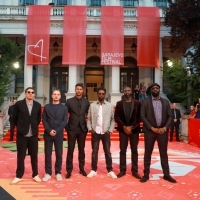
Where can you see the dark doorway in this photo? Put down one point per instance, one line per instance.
(59, 77)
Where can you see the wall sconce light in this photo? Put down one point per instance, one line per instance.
(133, 46)
(55, 45)
(16, 42)
(94, 46)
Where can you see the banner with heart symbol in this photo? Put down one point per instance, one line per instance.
(38, 33)
(74, 35)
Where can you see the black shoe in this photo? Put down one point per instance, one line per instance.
(121, 174)
(178, 140)
(136, 175)
(82, 172)
(68, 175)
(170, 179)
(11, 140)
(144, 179)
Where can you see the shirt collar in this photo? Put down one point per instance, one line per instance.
(153, 98)
(31, 103)
(104, 102)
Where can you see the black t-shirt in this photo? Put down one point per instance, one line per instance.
(55, 109)
(128, 112)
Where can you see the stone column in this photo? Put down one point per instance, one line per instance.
(72, 80)
(158, 70)
(28, 71)
(115, 94)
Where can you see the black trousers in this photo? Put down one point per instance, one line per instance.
(57, 141)
(176, 126)
(24, 143)
(12, 127)
(134, 139)
(80, 136)
(105, 138)
(162, 141)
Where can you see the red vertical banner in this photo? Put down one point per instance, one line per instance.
(74, 36)
(148, 36)
(38, 30)
(112, 35)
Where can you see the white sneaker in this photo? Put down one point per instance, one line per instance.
(59, 177)
(112, 174)
(15, 181)
(91, 174)
(37, 179)
(46, 177)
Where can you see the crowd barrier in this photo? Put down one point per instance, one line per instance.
(194, 132)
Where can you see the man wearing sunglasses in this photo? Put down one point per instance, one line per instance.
(27, 117)
(101, 124)
(156, 116)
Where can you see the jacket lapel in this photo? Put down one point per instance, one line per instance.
(132, 107)
(151, 109)
(124, 108)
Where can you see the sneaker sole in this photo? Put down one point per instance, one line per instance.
(14, 183)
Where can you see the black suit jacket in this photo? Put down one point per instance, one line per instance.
(77, 116)
(23, 120)
(178, 115)
(120, 115)
(148, 117)
(54, 122)
(10, 112)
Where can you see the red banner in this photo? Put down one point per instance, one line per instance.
(74, 36)
(194, 132)
(148, 36)
(38, 29)
(112, 35)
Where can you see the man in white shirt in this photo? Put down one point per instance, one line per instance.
(101, 124)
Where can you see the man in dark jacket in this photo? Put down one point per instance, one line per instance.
(54, 119)
(77, 129)
(156, 117)
(127, 117)
(27, 117)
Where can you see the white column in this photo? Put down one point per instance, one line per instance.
(115, 79)
(158, 70)
(28, 71)
(115, 94)
(39, 81)
(72, 80)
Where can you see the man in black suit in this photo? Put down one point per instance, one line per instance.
(175, 122)
(54, 119)
(27, 117)
(10, 113)
(77, 128)
(156, 117)
(127, 117)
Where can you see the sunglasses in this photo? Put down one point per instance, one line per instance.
(29, 92)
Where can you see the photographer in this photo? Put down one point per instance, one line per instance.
(197, 109)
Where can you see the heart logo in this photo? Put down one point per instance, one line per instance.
(39, 48)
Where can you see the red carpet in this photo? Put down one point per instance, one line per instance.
(184, 167)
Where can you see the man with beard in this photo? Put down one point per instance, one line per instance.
(127, 117)
(77, 129)
(54, 119)
(156, 116)
(101, 124)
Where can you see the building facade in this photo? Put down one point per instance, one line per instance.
(55, 75)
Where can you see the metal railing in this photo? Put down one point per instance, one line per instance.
(59, 11)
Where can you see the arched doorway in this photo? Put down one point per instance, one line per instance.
(59, 77)
(129, 75)
(94, 77)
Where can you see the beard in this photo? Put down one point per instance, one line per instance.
(127, 96)
(155, 94)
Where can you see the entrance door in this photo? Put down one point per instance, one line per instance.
(94, 78)
(59, 80)
(128, 77)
